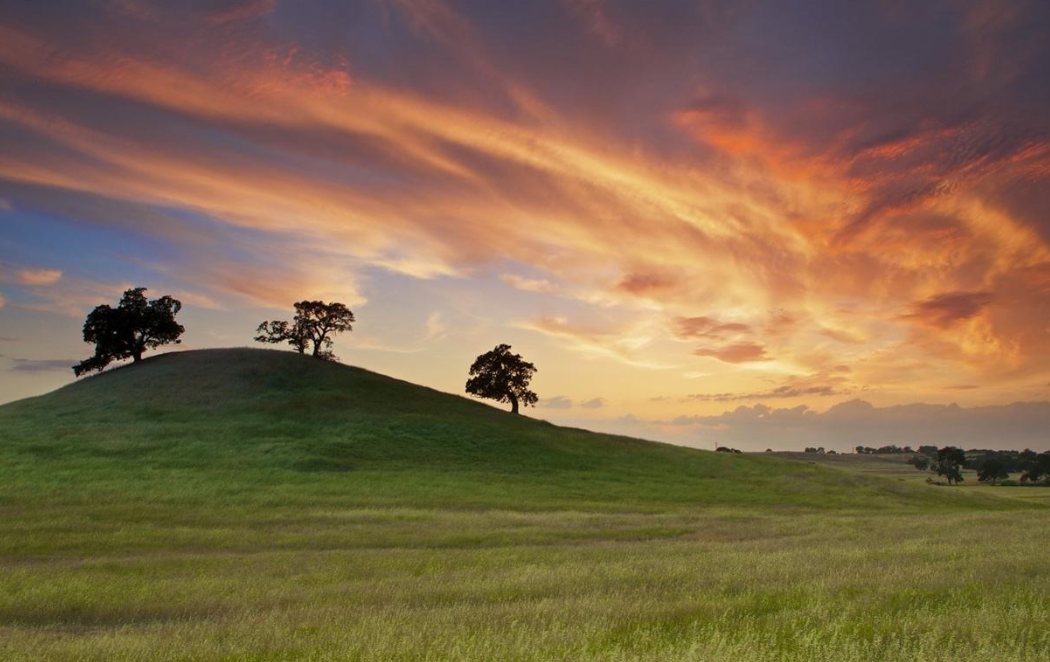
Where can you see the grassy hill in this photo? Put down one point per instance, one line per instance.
(244, 426)
(258, 506)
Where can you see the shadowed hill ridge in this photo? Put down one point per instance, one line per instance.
(241, 426)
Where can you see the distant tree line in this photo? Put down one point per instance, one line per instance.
(884, 450)
(992, 467)
(996, 466)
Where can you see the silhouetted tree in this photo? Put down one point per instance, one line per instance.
(313, 326)
(503, 377)
(950, 461)
(128, 330)
(281, 331)
(992, 471)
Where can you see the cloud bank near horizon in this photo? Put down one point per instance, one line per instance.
(853, 423)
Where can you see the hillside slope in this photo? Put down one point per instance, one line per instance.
(245, 426)
(257, 505)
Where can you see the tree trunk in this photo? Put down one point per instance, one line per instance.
(318, 343)
(138, 346)
(513, 404)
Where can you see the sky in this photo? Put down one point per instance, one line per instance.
(759, 223)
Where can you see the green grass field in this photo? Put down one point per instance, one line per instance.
(257, 505)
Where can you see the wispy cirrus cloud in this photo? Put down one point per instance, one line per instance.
(706, 327)
(557, 402)
(530, 284)
(624, 343)
(38, 276)
(770, 394)
(594, 15)
(39, 365)
(563, 402)
(669, 177)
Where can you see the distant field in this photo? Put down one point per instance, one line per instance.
(250, 505)
(883, 465)
(896, 467)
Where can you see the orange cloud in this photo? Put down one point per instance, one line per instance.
(706, 327)
(38, 276)
(945, 310)
(529, 284)
(647, 284)
(742, 352)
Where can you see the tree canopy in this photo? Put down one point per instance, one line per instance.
(127, 331)
(920, 462)
(313, 326)
(502, 376)
(1037, 468)
(992, 471)
(949, 463)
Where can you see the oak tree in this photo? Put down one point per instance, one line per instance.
(127, 331)
(502, 376)
(949, 463)
(1037, 468)
(992, 471)
(312, 328)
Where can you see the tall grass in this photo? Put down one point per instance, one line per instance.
(402, 584)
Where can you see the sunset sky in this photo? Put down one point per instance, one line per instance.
(761, 223)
